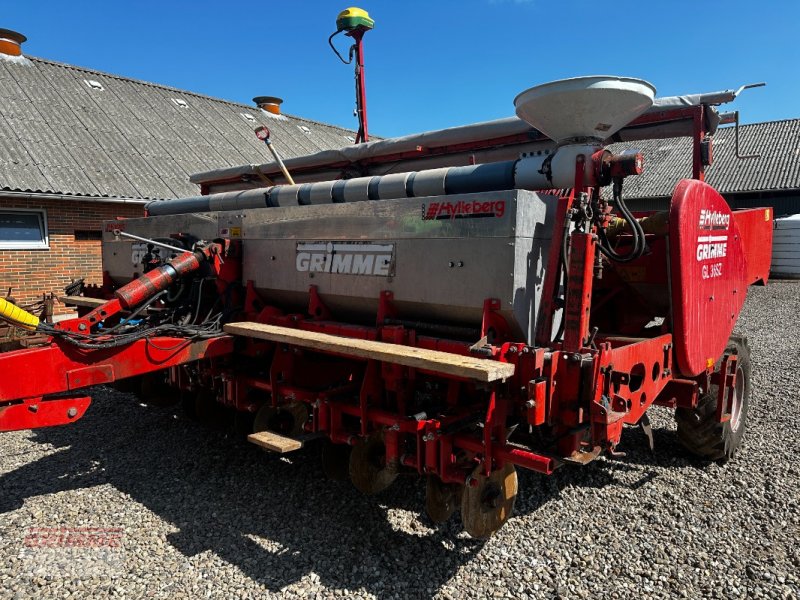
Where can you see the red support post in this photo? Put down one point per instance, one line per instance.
(698, 119)
(579, 291)
(361, 87)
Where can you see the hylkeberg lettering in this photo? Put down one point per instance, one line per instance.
(463, 210)
(712, 219)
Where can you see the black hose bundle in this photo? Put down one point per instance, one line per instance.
(99, 341)
(639, 243)
(129, 330)
(604, 245)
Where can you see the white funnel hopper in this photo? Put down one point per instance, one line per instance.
(584, 107)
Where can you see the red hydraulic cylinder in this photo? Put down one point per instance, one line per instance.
(159, 279)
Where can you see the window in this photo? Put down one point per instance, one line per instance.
(180, 103)
(23, 229)
(248, 117)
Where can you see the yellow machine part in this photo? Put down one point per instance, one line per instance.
(16, 316)
(353, 17)
(657, 224)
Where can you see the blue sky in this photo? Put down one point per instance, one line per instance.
(430, 64)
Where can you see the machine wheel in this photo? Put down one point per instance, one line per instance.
(698, 429)
(488, 505)
(287, 419)
(336, 461)
(369, 471)
(441, 499)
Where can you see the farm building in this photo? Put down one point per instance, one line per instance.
(767, 174)
(78, 147)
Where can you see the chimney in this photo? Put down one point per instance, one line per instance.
(270, 104)
(11, 42)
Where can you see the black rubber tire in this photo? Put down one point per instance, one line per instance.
(698, 429)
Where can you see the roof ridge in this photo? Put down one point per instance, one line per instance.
(788, 120)
(179, 90)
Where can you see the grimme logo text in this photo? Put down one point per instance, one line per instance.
(349, 258)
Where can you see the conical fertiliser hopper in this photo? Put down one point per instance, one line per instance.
(584, 107)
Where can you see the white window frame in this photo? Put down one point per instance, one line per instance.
(43, 244)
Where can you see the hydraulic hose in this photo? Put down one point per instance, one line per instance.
(639, 242)
(16, 316)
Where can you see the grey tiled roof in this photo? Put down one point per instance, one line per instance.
(130, 139)
(668, 161)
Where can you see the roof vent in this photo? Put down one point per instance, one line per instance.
(11, 42)
(270, 104)
(180, 103)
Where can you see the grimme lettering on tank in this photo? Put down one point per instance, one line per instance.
(348, 258)
(712, 247)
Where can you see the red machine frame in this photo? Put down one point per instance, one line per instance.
(581, 390)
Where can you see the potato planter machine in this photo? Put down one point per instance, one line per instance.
(454, 322)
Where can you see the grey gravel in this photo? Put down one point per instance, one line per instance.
(205, 515)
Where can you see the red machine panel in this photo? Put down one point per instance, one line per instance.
(709, 274)
(755, 225)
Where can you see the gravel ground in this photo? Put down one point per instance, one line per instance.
(201, 514)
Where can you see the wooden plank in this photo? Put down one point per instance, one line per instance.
(91, 303)
(478, 369)
(274, 441)
(82, 301)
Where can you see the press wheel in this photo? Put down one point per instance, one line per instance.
(287, 419)
(336, 461)
(485, 507)
(441, 499)
(369, 471)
